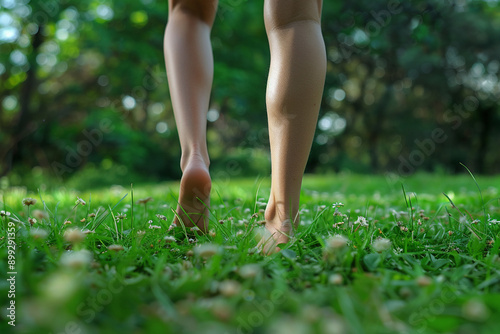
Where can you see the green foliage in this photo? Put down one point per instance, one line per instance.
(397, 72)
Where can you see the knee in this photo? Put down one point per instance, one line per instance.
(203, 10)
(282, 13)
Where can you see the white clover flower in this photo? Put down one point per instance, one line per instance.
(492, 221)
(4, 213)
(229, 288)
(59, 287)
(169, 238)
(361, 221)
(40, 215)
(380, 245)
(38, 233)
(475, 310)
(206, 250)
(76, 259)
(115, 248)
(29, 201)
(337, 242)
(74, 235)
(423, 281)
(335, 279)
(250, 270)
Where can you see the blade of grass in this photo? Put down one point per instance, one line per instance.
(132, 207)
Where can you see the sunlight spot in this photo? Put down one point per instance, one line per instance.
(325, 123)
(62, 34)
(9, 4)
(493, 66)
(23, 41)
(156, 109)
(161, 127)
(18, 58)
(10, 102)
(2, 69)
(22, 11)
(477, 70)
(32, 28)
(360, 37)
(104, 12)
(129, 102)
(322, 139)
(8, 34)
(332, 123)
(212, 115)
(339, 94)
(5, 19)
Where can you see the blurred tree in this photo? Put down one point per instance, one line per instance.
(410, 85)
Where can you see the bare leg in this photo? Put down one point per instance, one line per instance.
(294, 91)
(189, 62)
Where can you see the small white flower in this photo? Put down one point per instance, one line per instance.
(40, 215)
(74, 235)
(475, 310)
(361, 221)
(229, 288)
(206, 250)
(380, 245)
(493, 221)
(76, 260)
(423, 281)
(154, 226)
(250, 271)
(169, 238)
(4, 213)
(335, 279)
(337, 242)
(115, 248)
(38, 233)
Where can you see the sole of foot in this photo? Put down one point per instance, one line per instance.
(194, 197)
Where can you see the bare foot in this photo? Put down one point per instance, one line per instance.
(194, 196)
(278, 230)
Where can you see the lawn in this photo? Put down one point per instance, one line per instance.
(372, 255)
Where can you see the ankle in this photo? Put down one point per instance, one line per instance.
(279, 213)
(194, 159)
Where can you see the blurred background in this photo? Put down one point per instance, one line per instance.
(412, 86)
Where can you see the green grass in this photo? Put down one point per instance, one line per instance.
(439, 272)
